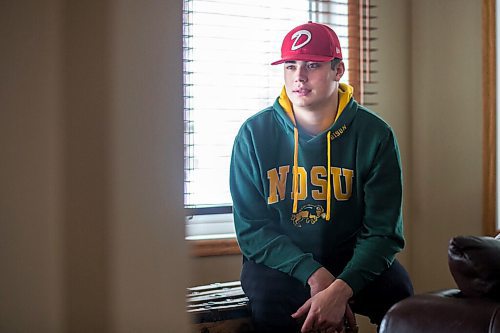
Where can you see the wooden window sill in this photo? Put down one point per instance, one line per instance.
(213, 247)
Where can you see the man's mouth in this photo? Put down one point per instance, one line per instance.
(302, 91)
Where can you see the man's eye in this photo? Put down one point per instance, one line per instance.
(313, 65)
(290, 67)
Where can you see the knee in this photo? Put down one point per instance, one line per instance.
(272, 309)
(272, 316)
(402, 286)
(406, 289)
(273, 296)
(378, 297)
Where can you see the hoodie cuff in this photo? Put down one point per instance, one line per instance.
(353, 279)
(304, 269)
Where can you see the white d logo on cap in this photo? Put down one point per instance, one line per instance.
(296, 37)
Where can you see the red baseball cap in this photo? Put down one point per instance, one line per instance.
(310, 42)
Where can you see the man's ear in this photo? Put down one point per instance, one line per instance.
(339, 71)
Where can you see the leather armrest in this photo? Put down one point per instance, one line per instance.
(474, 263)
(443, 312)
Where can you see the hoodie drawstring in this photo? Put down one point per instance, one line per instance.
(329, 187)
(295, 169)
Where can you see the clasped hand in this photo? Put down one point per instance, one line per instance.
(327, 307)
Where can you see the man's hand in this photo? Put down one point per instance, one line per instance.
(320, 280)
(326, 309)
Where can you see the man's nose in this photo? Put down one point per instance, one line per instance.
(301, 75)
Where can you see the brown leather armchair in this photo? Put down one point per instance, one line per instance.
(474, 263)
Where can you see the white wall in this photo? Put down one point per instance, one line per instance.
(446, 133)
(31, 292)
(91, 225)
(393, 83)
(430, 84)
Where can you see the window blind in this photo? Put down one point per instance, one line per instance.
(362, 53)
(228, 48)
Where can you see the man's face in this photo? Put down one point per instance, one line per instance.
(311, 85)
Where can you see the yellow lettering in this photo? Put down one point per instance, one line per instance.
(339, 132)
(316, 173)
(348, 174)
(302, 183)
(277, 184)
(342, 183)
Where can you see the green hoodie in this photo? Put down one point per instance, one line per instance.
(280, 184)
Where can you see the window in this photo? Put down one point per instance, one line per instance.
(228, 48)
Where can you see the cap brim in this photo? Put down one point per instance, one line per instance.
(303, 57)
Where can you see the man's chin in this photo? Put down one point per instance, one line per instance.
(300, 102)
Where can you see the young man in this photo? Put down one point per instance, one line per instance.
(317, 192)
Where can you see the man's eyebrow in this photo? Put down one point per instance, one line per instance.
(290, 62)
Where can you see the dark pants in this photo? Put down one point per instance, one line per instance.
(274, 296)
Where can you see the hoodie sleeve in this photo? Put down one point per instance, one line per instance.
(257, 225)
(382, 234)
